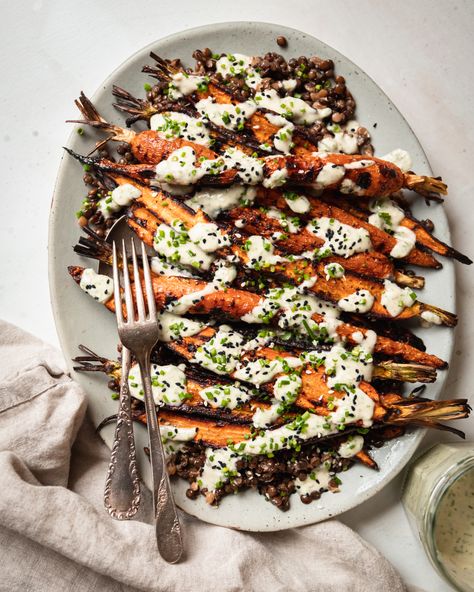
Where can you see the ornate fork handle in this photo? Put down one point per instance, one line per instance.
(168, 527)
(122, 485)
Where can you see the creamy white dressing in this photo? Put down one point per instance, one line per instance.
(174, 437)
(359, 301)
(289, 224)
(261, 370)
(283, 138)
(179, 125)
(249, 169)
(399, 157)
(183, 84)
(276, 179)
(173, 326)
(345, 367)
(288, 85)
(406, 240)
(396, 299)
(233, 64)
(226, 115)
(352, 446)
(430, 318)
(388, 216)
(295, 311)
(221, 353)
(238, 64)
(264, 417)
(120, 197)
(287, 388)
(339, 238)
(343, 139)
(291, 107)
(99, 287)
(359, 164)
(317, 480)
(348, 187)
(334, 271)
(220, 465)
(179, 168)
(297, 203)
(329, 175)
(224, 275)
(168, 384)
(174, 244)
(160, 267)
(208, 237)
(225, 396)
(215, 201)
(260, 252)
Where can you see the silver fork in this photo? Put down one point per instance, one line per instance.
(122, 484)
(139, 333)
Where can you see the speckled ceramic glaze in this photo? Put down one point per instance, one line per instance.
(80, 320)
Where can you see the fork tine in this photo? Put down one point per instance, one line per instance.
(138, 284)
(150, 295)
(117, 294)
(126, 287)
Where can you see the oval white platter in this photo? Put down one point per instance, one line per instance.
(80, 320)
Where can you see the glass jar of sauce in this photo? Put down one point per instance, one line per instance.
(438, 498)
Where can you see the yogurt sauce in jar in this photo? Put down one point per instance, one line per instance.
(454, 531)
(438, 498)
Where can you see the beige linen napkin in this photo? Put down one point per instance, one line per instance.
(56, 536)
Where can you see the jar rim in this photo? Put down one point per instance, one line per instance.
(455, 472)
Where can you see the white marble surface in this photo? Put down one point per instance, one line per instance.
(419, 52)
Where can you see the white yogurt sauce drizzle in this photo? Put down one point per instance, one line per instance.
(174, 437)
(225, 396)
(168, 384)
(260, 253)
(344, 139)
(161, 267)
(224, 275)
(297, 203)
(183, 84)
(334, 271)
(318, 480)
(329, 175)
(289, 224)
(283, 138)
(285, 392)
(179, 125)
(249, 169)
(396, 299)
(399, 157)
(233, 64)
(276, 179)
(215, 201)
(388, 216)
(340, 239)
(352, 446)
(359, 301)
(99, 287)
(173, 243)
(291, 108)
(208, 237)
(120, 197)
(226, 115)
(173, 326)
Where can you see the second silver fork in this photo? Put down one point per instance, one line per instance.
(139, 333)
